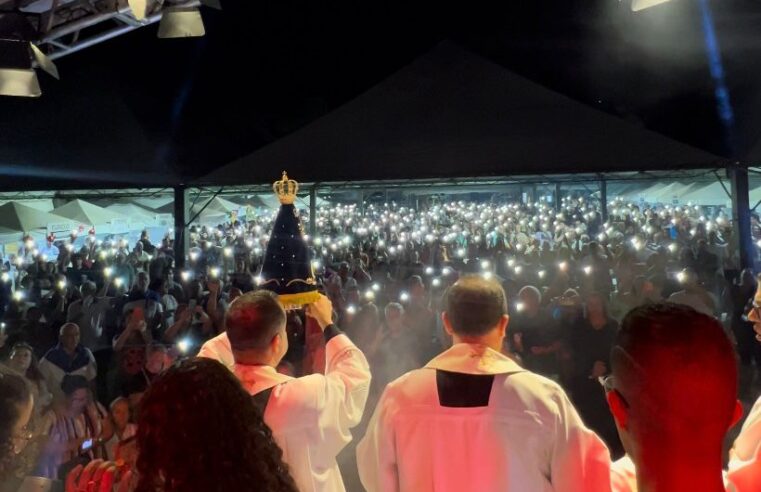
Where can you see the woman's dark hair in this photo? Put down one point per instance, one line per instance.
(14, 394)
(209, 410)
(33, 373)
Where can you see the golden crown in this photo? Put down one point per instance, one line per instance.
(286, 189)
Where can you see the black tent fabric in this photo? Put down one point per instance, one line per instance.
(451, 113)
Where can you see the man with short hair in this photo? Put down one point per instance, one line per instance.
(473, 420)
(311, 416)
(69, 357)
(89, 313)
(673, 395)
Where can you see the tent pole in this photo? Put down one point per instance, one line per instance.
(313, 211)
(556, 198)
(180, 228)
(741, 215)
(604, 199)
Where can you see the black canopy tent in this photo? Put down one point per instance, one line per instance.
(451, 113)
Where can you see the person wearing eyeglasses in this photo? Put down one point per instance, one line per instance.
(673, 395)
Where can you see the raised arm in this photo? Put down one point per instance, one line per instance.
(346, 384)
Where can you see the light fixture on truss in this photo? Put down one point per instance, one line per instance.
(638, 5)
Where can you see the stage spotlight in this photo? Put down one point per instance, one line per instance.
(638, 5)
(17, 61)
(17, 77)
(183, 19)
(139, 8)
(181, 22)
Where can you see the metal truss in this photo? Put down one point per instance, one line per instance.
(63, 27)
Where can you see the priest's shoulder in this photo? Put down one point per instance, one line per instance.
(416, 385)
(536, 391)
(306, 392)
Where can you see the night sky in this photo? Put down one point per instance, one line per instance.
(143, 110)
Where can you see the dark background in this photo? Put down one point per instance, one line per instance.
(142, 110)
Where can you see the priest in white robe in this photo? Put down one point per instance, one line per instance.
(311, 416)
(473, 420)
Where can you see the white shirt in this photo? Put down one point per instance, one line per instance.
(310, 417)
(218, 348)
(745, 458)
(528, 438)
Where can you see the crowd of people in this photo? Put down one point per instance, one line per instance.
(95, 332)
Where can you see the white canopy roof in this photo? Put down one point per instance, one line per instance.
(134, 212)
(708, 194)
(87, 213)
(15, 217)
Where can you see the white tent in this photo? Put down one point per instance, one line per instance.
(42, 204)
(672, 193)
(623, 190)
(88, 214)
(153, 202)
(138, 217)
(20, 218)
(217, 209)
(755, 196)
(134, 212)
(707, 194)
(645, 194)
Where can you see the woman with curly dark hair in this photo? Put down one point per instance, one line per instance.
(200, 431)
(16, 405)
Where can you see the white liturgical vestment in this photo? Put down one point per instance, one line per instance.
(473, 420)
(310, 417)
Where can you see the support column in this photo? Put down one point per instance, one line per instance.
(181, 214)
(313, 211)
(604, 199)
(556, 198)
(741, 215)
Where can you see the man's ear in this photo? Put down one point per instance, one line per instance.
(503, 323)
(447, 324)
(275, 343)
(618, 409)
